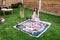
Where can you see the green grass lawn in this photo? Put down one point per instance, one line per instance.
(7, 32)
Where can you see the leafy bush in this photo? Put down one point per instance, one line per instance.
(16, 5)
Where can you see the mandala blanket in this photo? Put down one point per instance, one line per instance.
(33, 28)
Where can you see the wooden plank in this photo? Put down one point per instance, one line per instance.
(52, 6)
(31, 3)
(8, 3)
(0, 3)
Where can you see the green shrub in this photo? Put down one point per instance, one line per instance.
(16, 5)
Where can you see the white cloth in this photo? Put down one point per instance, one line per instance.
(4, 9)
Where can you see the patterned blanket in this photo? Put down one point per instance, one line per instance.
(33, 28)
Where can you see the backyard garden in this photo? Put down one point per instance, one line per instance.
(16, 20)
(7, 32)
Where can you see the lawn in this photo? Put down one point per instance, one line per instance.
(7, 32)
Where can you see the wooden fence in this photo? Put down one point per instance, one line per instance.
(31, 3)
(0, 3)
(9, 2)
(50, 6)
